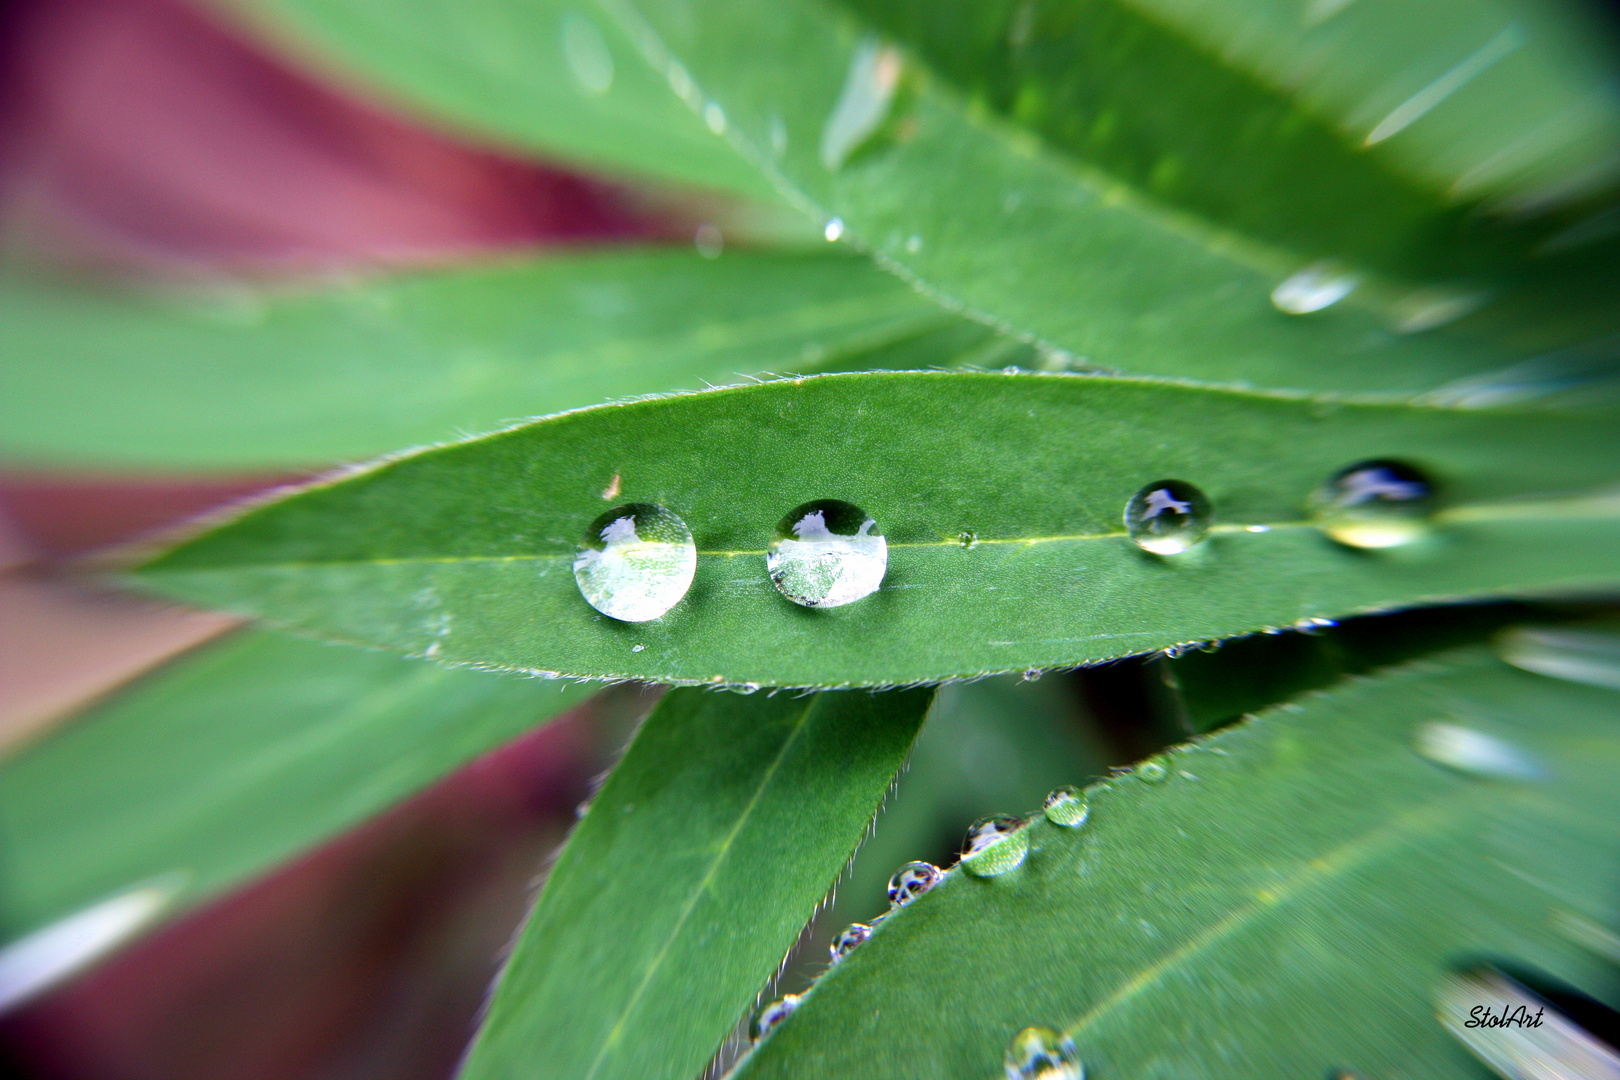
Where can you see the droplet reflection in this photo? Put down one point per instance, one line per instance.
(635, 562)
(1168, 517)
(826, 554)
(911, 881)
(1040, 1053)
(1375, 504)
(766, 1020)
(995, 845)
(1067, 807)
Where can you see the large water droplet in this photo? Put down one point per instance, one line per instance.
(1167, 517)
(635, 562)
(1318, 286)
(1470, 751)
(911, 881)
(874, 72)
(1554, 1048)
(33, 964)
(1067, 806)
(1040, 1053)
(1375, 504)
(845, 943)
(589, 60)
(766, 1020)
(995, 845)
(1581, 656)
(827, 553)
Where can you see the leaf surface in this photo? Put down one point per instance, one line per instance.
(266, 378)
(689, 878)
(1001, 497)
(234, 759)
(1285, 903)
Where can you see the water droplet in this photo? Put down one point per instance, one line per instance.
(1555, 1047)
(1168, 517)
(681, 82)
(911, 881)
(1040, 1053)
(766, 1020)
(715, 117)
(1581, 656)
(874, 73)
(637, 648)
(635, 562)
(1427, 309)
(1153, 770)
(1257, 528)
(834, 229)
(1320, 285)
(995, 845)
(913, 244)
(1067, 806)
(968, 539)
(33, 964)
(1375, 504)
(1474, 752)
(827, 553)
(589, 60)
(709, 241)
(845, 943)
(778, 136)
(1031, 674)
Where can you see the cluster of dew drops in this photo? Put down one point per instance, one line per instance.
(638, 560)
(995, 845)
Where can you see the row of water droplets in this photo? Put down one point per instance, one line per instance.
(638, 560)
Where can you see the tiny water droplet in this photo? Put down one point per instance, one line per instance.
(1040, 1053)
(1474, 752)
(1031, 674)
(1556, 1047)
(1375, 504)
(863, 103)
(1168, 517)
(766, 1020)
(913, 244)
(911, 881)
(1067, 806)
(834, 229)
(635, 562)
(715, 117)
(845, 943)
(778, 136)
(709, 241)
(968, 539)
(637, 648)
(826, 554)
(1257, 528)
(681, 82)
(995, 845)
(1320, 285)
(1153, 770)
(1581, 656)
(589, 60)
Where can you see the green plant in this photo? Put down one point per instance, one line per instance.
(1226, 243)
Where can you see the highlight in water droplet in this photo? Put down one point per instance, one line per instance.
(1555, 1047)
(1375, 504)
(766, 1020)
(1041, 1053)
(874, 73)
(826, 554)
(995, 845)
(586, 53)
(635, 562)
(1154, 770)
(1067, 806)
(911, 881)
(834, 229)
(1318, 286)
(1168, 517)
(968, 539)
(1470, 751)
(1581, 656)
(851, 937)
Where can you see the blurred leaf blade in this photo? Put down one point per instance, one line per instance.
(1000, 496)
(1309, 864)
(362, 369)
(707, 850)
(234, 759)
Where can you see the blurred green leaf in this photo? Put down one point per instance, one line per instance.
(465, 552)
(271, 377)
(688, 880)
(235, 758)
(1284, 903)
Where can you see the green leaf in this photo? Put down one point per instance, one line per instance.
(548, 79)
(465, 552)
(1283, 904)
(234, 759)
(275, 378)
(689, 878)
